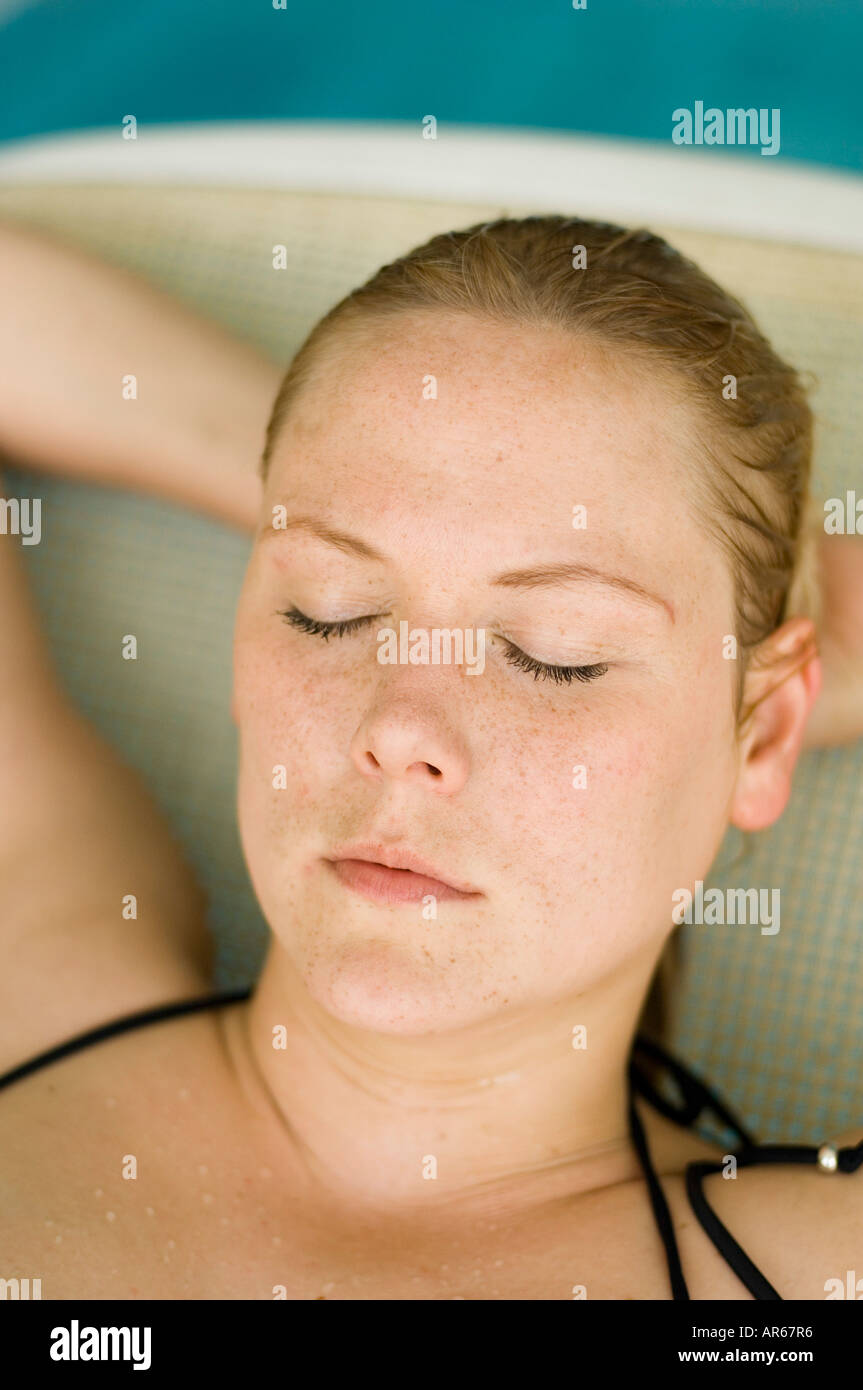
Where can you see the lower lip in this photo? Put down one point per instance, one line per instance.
(385, 885)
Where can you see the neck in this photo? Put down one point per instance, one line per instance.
(489, 1118)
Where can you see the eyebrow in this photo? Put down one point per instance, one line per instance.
(534, 577)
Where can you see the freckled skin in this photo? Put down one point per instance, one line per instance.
(575, 880)
(577, 884)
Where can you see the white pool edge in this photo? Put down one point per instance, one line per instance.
(626, 181)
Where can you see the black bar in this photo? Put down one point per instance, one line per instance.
(280, 1338)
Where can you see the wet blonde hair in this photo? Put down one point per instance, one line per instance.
(637, 294)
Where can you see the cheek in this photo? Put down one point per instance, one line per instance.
(623, 792)
(272, 702)
(557, 785)
(295, 715)
(667, 786)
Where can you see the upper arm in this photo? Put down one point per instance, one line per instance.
(87, 850)
(79, 834)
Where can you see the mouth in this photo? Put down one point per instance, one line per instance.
(389, 875)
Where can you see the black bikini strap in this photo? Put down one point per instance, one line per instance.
(660, 1207)
(120, 1025)
(847, 1159)
(722, 1238)
(697, 1095)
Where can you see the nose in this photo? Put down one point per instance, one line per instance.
(413, 747)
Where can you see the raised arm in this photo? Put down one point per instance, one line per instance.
(72, 328)
(81, 836)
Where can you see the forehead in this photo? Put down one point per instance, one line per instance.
(497, 430)
(468, 365)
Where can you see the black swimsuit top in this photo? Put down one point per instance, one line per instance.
(697, 1098)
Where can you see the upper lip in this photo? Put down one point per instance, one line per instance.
(399, 857)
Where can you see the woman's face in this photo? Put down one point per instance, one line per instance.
(453, 453)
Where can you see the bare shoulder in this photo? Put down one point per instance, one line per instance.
(152, 1098)
(800, 1225)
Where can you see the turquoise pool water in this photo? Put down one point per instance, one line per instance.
(611, 68)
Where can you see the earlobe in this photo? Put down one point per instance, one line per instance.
(780, 691)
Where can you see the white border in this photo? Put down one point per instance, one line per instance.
(544, 171)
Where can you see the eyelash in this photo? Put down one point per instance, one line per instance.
(540, 670)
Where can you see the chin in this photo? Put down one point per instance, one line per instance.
(384, 987)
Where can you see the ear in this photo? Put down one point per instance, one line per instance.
(780, 688)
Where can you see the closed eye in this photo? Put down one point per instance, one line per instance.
(561, 675)
(540, 670)
(326, 630)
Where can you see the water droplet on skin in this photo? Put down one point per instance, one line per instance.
(328, 1288)
(110, 1102)
(225, 1220)
(183, 1094)
(203, 1169)
(277, 1240)
(207, 1198)
(58, 1240)
(172, 1245)
(266, 1173)
(109, 1216)
(98, 1192)
(498, 1263)
(49, 1223)
(148, 1210)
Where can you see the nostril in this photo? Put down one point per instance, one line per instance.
(435, 771)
